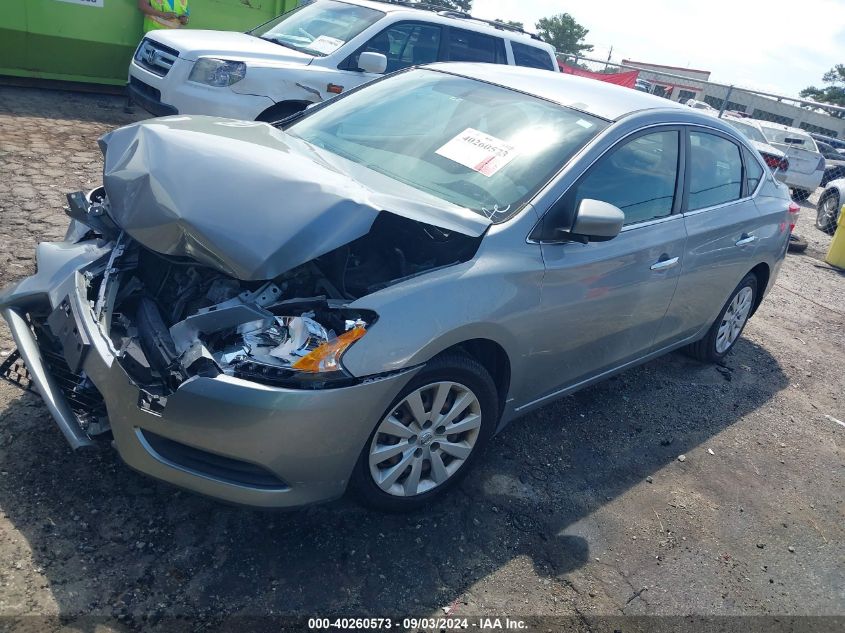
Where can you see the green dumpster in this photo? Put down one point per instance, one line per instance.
(93, 40)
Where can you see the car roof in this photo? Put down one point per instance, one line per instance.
(600, 98)
(451, 18)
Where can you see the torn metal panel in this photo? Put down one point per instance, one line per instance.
(249, 200)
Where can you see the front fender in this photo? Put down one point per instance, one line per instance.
(490, 297)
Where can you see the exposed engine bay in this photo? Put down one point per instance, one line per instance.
(170, 318)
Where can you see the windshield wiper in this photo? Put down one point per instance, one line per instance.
(278, 42)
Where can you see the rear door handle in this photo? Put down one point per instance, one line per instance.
(663, 264)
(746, 239)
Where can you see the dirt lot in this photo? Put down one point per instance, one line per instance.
(581, 509)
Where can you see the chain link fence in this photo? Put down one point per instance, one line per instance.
(692, 87)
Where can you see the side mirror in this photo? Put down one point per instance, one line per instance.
(371, 62)
(597, 221)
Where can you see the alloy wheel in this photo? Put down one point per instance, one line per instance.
(734, 319)
(828, 214)
(425, 439)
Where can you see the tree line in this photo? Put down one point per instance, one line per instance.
(561, 31)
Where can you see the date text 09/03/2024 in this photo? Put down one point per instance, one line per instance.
(374, 623)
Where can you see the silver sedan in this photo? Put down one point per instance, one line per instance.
(362, 295)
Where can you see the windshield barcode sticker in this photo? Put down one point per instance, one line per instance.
(479, 151)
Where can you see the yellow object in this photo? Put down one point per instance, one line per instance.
(326, 357)
(836, 253)
(179, 7)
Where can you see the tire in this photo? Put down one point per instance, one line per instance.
(797, 244)
(464, 380)
(827, 212)
(280, 111)
(799, 195)
(710, 349)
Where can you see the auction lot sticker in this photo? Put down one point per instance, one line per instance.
(325, 44)
(479, 151)
(86, 3)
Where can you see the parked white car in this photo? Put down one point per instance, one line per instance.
(806, 164)
(773, 157)
(311, 54)
(700, 105)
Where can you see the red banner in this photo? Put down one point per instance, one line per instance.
(627, 79)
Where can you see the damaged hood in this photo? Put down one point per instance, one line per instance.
(247, 199)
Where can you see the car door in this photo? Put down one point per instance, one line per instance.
(723, 227)
(602, 302)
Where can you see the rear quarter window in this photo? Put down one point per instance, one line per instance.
(753, 172)
(531, 56)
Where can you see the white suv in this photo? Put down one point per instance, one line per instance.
(311, 54)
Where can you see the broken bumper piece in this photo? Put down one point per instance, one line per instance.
(221, 436)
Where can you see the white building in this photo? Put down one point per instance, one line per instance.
(694, 85)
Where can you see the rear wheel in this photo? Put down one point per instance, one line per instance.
(725, 331)
(429, 437)
(827, 212)
(797, 244)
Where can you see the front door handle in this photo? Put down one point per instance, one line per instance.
(663, 264)
(746, 239)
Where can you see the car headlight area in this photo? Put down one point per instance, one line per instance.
(217, 72)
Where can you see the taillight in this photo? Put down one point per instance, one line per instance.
(793, 210)
(821, 165)
(772, 161)
(775, 162)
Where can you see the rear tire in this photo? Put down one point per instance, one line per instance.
(827, 212)
(728, 326)
(421, 467)
(797, 244)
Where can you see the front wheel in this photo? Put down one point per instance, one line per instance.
(429, 437)
(725, 331)
(827, 212)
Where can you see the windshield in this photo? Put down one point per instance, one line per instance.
(319, 28)
(479, 146)
(751, 132)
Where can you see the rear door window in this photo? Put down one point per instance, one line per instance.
(531, 56)
(715, 171)
(469, 46)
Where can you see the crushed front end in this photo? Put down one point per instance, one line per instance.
(229, 388)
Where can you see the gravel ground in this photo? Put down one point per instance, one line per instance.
(581, 509)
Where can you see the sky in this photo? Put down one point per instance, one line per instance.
(775, 47)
